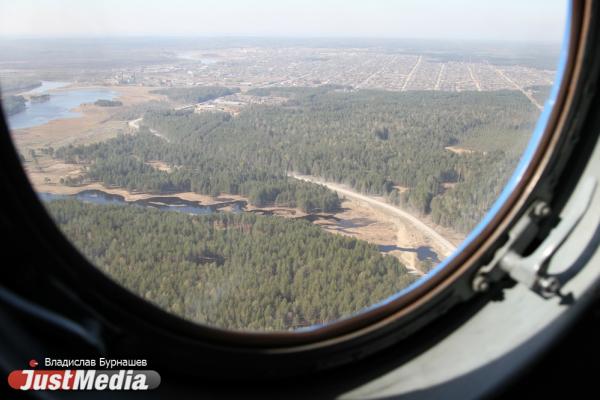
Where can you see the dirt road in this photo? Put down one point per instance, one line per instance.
(135, 125)
(445, 247)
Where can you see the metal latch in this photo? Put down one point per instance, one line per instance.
(532, 270)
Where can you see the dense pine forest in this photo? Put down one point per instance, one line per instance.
(408, 147)
(235, 271)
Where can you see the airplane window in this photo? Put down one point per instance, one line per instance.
(275, 166)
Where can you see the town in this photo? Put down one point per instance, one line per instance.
(354, 68)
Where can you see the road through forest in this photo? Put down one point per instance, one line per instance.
(440, 242)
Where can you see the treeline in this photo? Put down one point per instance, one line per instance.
(108, 103)
(40, 98)
(382, 143)
(196, 94)
(297, 93)
(134, 111)
(11, 84)
(304, 195)
(235, 271)
(13, 104)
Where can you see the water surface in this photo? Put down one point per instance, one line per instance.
(60, 105)
(160, 202)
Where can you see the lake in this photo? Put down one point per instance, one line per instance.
(59, 106)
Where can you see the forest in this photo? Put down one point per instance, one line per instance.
(122, 162)
(232, 270)
(404, 146)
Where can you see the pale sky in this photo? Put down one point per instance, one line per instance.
(514, 20)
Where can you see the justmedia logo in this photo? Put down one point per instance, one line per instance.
(79, 379)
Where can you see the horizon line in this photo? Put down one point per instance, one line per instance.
(263, 36)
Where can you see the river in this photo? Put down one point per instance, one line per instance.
(59, 106)
(165, 203)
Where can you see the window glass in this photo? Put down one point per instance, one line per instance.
(273, 165)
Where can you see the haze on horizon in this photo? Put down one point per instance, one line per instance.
(506, 20)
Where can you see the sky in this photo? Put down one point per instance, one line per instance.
(512, 20)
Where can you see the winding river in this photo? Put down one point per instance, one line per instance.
(165, 203)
